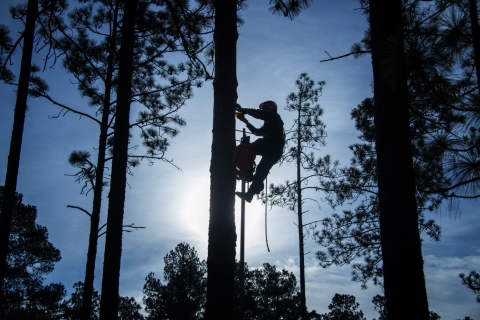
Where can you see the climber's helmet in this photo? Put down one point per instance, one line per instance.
(268, 106)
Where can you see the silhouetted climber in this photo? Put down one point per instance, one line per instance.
(270, 146)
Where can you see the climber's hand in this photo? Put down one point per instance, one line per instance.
(238, 107)
(241, 117)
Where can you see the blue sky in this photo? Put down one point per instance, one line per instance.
(173, 205)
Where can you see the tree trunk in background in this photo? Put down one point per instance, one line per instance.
(404, 280)
(97, 192)
(17, 136)
(222, 237)
(303, 304)
(113, 241)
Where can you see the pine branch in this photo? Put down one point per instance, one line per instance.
(81, 209)
(345, 55)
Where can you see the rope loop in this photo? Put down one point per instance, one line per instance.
(266, 198)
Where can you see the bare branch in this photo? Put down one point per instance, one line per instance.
(79, 208)
(345, 55)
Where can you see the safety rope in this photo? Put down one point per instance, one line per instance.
(266, 193)
(266, 197)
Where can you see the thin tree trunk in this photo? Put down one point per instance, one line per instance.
(17, 136)
(404, 281)
(303, 307)
(97, 192)
(222, 237)
(116, 203)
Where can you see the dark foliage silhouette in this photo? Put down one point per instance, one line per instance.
(472, 281)
(128, 308)
(343, 307)
(183, 292)
(356, 233)
(269, 293)
(30, 258)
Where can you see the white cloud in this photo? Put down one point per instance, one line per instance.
(431, 261)
(447, 296)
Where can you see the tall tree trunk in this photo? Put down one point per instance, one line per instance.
(113, 241)
(97, 192)
(404, 280)
(222, 237)
(17, 136)
(303, 306)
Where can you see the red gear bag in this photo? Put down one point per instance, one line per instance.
(244, 155)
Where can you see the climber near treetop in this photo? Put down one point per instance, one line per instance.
(269, 146)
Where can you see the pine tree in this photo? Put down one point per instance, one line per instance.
(183, 293)
(473, 13)
(306, 136)
(17, 136)
(343, 306)
(269, 293)
(443, 97)
(472, 281)
(30, 258)
(128, 308)
(404, 281)
(221, 246)
(99, 172)
(380, 306)
(73, 307)
(272, 294)
(356, 233)
(6, 44)
(113, 242)
(161, 88)
(445, 156)
(74, 54)
(289, 8)
(446, 106)
(31, 13)
(222, 237)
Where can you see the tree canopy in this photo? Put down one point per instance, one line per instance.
(183, 293)
(343, 307)
(31, 257)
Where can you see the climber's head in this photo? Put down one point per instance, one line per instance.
(268, 106)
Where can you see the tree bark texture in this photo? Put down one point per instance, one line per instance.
(17, 136)
(404, 280)
(97, 192)
(116, 203)
(222, 236)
